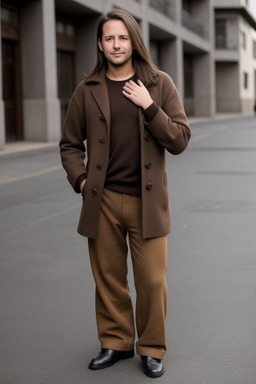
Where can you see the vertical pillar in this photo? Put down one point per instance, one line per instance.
(202, 88)
(39, 72)
(172, 54)
(204, 67)
(144, 23)
(180, 67)
(172, 62)
(179, 54)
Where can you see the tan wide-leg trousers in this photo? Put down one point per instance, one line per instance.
(121, 215)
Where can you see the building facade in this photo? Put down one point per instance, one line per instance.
(235, 54)
(47, 45)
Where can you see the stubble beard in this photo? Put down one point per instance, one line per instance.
(120, 64)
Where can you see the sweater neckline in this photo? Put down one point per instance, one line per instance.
(120, 82)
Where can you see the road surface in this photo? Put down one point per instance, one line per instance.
(48, 331)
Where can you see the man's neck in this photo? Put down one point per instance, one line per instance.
(120, 73)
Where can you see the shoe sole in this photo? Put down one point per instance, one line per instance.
(124, 356)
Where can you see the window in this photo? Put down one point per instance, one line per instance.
(246, 80)
(187, 6)
(243, 39)
(65, 29)
(9, 15)
(221, 35)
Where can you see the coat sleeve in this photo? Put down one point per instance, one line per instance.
(72, 148)
(170, 127)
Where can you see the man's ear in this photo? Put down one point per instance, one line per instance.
(100, 45)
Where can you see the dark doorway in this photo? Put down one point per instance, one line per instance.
(66, 79)
(66, 49)
(11, 74)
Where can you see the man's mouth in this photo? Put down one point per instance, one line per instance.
(117, 54)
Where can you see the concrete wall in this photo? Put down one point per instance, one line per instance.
(228, 88)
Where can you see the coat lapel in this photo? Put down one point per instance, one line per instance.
(100, 94)
(99, 91)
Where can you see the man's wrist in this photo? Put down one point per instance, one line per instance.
(82, 185)
(79, 180)
(151, 111)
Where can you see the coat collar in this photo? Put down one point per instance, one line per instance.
(96, 77)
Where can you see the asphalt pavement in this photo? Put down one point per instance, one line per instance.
(48, 332)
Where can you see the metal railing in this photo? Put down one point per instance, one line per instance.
(221, 42)
(189, 22)
(164, 6)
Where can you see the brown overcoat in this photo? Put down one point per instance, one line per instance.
(88, 119)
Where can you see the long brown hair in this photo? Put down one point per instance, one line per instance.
(145, 69)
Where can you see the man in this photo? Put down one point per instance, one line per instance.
(128, 113)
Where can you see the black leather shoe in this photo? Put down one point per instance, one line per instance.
(108, 357)
(152, 367)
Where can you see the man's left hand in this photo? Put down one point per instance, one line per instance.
(137, 93)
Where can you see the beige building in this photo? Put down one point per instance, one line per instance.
(206, 46)
(235, 55)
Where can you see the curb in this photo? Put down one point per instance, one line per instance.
(28, 149)
(216, 119)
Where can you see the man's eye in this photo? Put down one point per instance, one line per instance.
(108, 38)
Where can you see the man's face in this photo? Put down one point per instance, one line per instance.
(116, 43)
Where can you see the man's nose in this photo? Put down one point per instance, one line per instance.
(116, 43)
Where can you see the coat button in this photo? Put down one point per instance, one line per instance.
(94, 191)
(148, 164)
(149, 186)
(99, 166)
(101, 140)
(147, 137)
(102, 117)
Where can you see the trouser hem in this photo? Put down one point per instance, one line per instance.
(116, 346)
(152, 352)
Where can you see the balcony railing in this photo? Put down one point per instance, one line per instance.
(164, 6)
(189, 22)
(221, 42)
